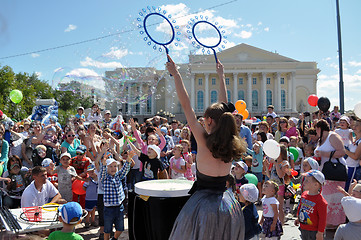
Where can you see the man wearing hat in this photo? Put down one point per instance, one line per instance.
(270, 112)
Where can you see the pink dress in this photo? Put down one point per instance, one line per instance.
(189, 174)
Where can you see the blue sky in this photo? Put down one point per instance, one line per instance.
(302, 30)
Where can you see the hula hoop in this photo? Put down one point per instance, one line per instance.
(48, 206)
(208, 46)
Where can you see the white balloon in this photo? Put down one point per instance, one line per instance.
(357, 109)
(272, 148)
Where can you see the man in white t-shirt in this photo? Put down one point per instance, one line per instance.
(40, 191)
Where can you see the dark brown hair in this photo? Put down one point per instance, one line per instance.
(279, 123)
(14, 157)
(224, 142)
(38, 169)
(323, 125)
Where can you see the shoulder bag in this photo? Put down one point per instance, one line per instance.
(334, 171)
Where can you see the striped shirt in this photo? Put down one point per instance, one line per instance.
(112, 185)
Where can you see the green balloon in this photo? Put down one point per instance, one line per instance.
(252, 178)
(16, 96)
(1, 170)
(294, 151)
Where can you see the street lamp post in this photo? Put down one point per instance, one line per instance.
(341, 90)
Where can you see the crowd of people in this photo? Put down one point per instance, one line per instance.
(41, 164)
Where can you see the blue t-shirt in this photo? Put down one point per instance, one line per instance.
(91, 190)
(78, 116)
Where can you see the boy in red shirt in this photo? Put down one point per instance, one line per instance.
(80, 163)
(312, 209)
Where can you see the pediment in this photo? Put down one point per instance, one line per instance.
(245, 53)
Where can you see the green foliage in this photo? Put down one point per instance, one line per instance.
(33, 88)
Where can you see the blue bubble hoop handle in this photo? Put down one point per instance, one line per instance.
(159, 43)
(208, 46)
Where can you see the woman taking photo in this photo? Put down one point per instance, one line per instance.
(331, 142)
(211, 212)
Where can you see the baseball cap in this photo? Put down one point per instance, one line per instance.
(81, 149)
(249, 192)
(270, 106)
(108, 112)
(313, 163)
(316, 174)
(46, 162)
(164, 130)
(80, 108)
(65, 154)
(70, 211)
(110, 161)
(90, 167)
(357, 188)
(258, 143)
(352, 208)
(155, 148)
(242, 165)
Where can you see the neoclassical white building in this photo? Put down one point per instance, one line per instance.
(257, 76)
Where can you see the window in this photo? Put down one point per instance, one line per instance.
(268, 81)
(229, 96)
(214, 96)
(240, 81)
(254, 81)
(227, 81)
(213, 81)
(255, 98)
(200, 81)
(126, 107)
(282, 80)
(149, 105)
(269, 97)
(137, 108)
(283, 99)
(200, 101)
(240, 95)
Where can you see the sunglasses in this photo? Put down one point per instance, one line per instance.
(78, 154)
(283, 122)
(71, 135)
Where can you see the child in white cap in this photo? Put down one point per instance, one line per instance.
(248, 196)
(240, 169)
(152, 166)
(70, 214)
(352, 229)
(312, 209)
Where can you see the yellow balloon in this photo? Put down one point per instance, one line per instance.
(240, 105)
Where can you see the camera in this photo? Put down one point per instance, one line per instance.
(306, 114)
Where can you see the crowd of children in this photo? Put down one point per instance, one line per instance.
(98, 153)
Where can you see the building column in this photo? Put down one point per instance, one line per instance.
(235, 87)
(290, 92)
(206, 91)
(129, 100)
(278, 92)
(293, 80)
(141, 109)
(192, 91)
(152, 106)
(263, 92)
(249, 91)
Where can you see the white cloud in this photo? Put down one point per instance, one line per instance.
(244, 34)
(358, 72)
(39, 74)
(89, 62)
(327, 59)
(71, 27)
(249, 25)
(266, 29)
(116, 53)
(85, 75)
(259, 23)
(35, 55)
(354, 64)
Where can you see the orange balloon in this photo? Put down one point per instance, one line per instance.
(240, 105)
(245, 114)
